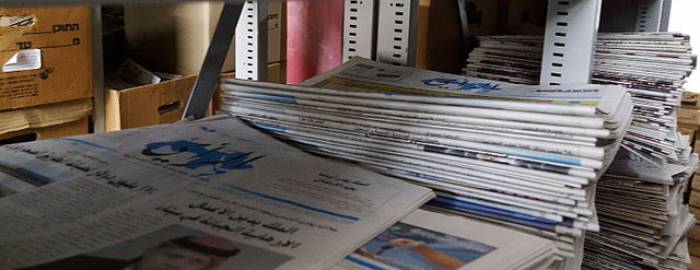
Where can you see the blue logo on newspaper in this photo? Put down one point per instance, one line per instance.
(453, 84)
(206, 159)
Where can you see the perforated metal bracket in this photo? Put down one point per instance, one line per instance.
(570, 36)
(652, 15)
(251, 41)
(359, 29)
(396, 31)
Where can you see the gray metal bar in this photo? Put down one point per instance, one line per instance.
(665, 16)
(413, 33)
(208, 78)
(464, 22)
(98, 78)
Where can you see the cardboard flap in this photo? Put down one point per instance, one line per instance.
(44, 116)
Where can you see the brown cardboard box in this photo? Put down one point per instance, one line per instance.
(690, 99)
(694, 247)
(33, 134)
(694, 232)
(159, 103)
(695, 263)
(695, 183)
(695, 200)
(694, 210)
(277, 72)
(54, 42)
(44, 115)
(688, 118)
(148, 104)
(688, 132)
(174, 38)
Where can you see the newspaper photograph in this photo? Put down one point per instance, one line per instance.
(417, 242)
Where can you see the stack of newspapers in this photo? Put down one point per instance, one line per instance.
(639, 199)
(217, 194)
(526, 157)
(514, 59)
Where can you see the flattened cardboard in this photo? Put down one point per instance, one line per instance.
(79, 127)
(44, 115)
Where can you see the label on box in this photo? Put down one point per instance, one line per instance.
(16, 20)
(23, 60)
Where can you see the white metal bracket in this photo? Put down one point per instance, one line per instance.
(652, 15)
(570, 36)
(396, 31)
(359, 29)
(251, 41)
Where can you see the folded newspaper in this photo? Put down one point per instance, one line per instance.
(525, 156)
(430, 240)
(204, 194)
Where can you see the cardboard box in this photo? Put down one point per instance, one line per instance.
(159, 103)
(695, 183)
(44, 115)
(694, 247)
(45, 55)
(688, 132)
(690, 99)
(277, 72)
(694, 210)
(688, 118)
(694, 232)
(174, 38)
(694, 201)
(695, 265)
(73, 128)
(148, 104)
(439, 43)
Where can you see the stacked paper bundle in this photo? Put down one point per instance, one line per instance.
(527, 157)
(515, 59)
(643, 225)
(642, 217)
(653, 66)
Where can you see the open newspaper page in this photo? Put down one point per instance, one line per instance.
(429, 240)
(215, 192)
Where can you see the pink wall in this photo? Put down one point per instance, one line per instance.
(314, 37)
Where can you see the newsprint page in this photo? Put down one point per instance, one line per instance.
(212, 194)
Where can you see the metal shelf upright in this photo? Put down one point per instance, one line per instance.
(569, 40)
